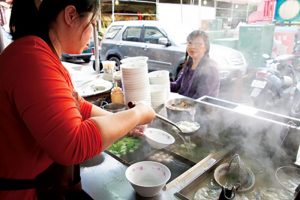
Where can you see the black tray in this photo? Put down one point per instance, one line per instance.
(176, 163)
(176, 158)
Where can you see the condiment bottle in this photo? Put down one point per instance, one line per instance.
(117, 95)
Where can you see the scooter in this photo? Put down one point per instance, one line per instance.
(295, 107)
(276, 87)
(296, 53)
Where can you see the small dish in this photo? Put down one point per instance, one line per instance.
(158, 138)
(94, 87)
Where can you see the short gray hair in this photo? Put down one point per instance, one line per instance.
(203, 35)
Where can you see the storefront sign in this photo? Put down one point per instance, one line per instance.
(287, 11)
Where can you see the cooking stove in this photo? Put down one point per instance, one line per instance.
(226, 128)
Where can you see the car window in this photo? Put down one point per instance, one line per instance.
(112, 31)
(152, 35)
(132, 34)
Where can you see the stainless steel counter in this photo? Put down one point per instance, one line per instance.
(106, 181)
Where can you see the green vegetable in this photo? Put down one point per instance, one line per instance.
(124, 146)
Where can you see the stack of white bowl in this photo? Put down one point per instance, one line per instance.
(135, 80)
(160, 87)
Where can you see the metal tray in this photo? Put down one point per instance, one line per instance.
(206, 188)
(176, 163)
(175, 157)
(203, 148)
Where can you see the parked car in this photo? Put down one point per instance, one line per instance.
(148, 38)
(6, 37)
(84, 56)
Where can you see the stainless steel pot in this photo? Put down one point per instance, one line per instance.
(181, 109)
(114, 107)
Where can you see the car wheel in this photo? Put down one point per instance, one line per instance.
(117, 60)
(86, 60)
(100, 64)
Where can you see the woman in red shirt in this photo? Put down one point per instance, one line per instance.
(44, 124)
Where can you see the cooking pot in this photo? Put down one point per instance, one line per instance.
(181, 109)
(114, 107)
(235, 174)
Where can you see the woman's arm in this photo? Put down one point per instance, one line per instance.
(175, 85)
(117, 125)
(97, 111)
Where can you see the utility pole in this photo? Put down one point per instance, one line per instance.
(181, 12)
(96, 48)
(200, 13)
(113, 10)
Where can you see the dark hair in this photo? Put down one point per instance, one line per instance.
(203, 35)
(27, 19)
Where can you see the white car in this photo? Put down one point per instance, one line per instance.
(148, 38)
(6, 37)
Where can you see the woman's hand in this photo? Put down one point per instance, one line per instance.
(146, 112)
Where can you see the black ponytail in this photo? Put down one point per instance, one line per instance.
(23, 19)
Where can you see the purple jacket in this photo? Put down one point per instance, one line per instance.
(204, 80)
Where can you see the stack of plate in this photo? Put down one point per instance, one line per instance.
(135, 80)
(160, 87)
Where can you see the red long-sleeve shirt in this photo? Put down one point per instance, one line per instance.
(41, 118)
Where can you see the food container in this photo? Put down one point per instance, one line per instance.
(114, 107)
(181, 109)
(117, 95)
(108, 69)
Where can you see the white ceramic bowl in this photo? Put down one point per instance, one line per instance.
(159, 77)
(157, 138)
(148, 177)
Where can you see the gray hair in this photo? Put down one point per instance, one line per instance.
(203, 35)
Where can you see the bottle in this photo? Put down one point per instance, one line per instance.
(117, 95)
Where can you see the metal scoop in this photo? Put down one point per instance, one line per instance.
(183, 132)
(131, 105)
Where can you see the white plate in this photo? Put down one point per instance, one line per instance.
(94, 87)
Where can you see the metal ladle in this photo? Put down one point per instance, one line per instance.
(173, 124)
(131, 105)
(168, 121)
(187, 134)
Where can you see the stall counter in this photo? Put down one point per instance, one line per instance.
(103, 177)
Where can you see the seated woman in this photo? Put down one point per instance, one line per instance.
(199, 75)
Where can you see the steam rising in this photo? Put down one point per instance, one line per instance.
(264, 140)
